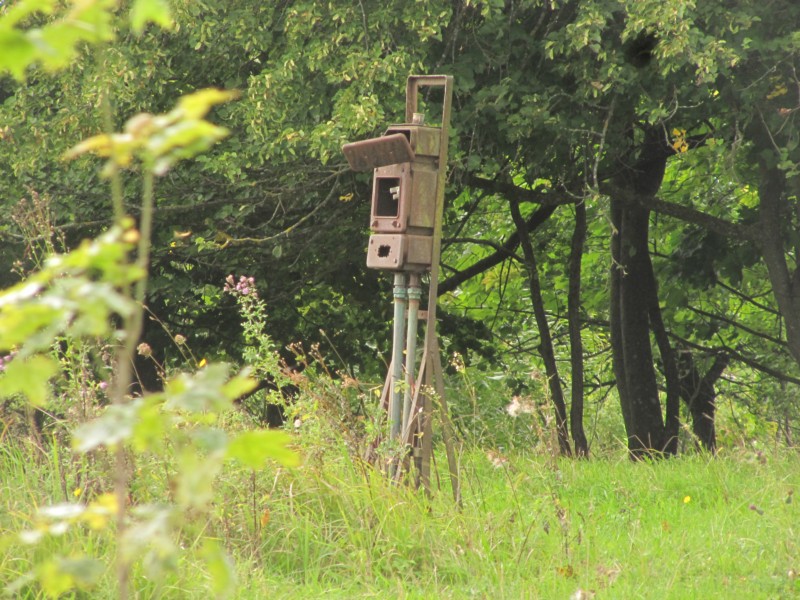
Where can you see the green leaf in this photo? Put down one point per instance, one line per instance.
(20, 10)
(210, 439)
(196, 106)
(220, 568)
(254, 448)
(17, 53)
(195, 480)
(60, 575)
(33, 325)
(150, 11)
(200, 392)
(29, 377)
(54, 580)
(151, 424)
(238, 386)
(112, 427)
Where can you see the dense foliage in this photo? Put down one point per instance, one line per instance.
(621, 221)
(621, 201)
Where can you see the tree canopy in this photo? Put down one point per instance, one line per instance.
(622, 203)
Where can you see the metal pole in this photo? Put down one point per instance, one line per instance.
(414, 295)
(431, 345)
(395, 404)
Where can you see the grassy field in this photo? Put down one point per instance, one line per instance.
(529, 527)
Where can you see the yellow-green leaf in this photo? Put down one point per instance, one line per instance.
(254, 448)
(99, 144)
(197, 105)
(29, 377)
(150, 11)
(17, 53)
(220, 568)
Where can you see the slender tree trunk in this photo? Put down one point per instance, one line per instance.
(671, 374)
(576, 344)
(700, 394)
(546, 345)
(615, 315)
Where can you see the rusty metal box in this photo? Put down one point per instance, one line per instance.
(399, 252)
(424, 141)
(406, 177)
(403, 197)
(404, 193)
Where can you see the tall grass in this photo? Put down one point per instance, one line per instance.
(530, 527)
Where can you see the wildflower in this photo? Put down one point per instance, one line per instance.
(102, 385)
(245, 286)
(203, 362)
(180, 340)
(498, 460)
(687, 499)
(4, 360)
(144, 349)
(77, 492)
(520, 406)
(754, 508)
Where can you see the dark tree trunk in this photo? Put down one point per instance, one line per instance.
(546, 344)
(615, 315)
(647, 422)
(671, 374)
(699, 394)
(773, 212)
(576, 344)
(633, 296)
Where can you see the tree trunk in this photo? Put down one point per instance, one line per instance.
(575, 342)
(699, 394)
(615, 315)
(633, 294)
(671, 374)
(647, 423)
(546, 344)
(785, 284)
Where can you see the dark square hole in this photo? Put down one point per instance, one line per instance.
(388, 197)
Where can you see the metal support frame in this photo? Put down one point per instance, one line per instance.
(396, 374)
(413, 425)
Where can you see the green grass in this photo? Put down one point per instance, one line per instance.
(532, 528)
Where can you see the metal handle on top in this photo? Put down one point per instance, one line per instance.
(415, 82)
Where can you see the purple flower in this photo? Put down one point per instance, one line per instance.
(245, 286)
